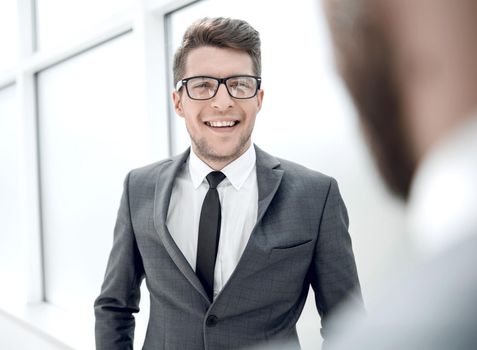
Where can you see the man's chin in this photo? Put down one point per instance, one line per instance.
(221, 157)
(220, 153)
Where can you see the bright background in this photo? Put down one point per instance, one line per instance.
(85, 96)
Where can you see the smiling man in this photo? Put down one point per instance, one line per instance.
(228, 238)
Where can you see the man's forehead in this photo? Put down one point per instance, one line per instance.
(216, 61)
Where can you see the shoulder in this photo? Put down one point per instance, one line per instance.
(293, 172)
(442, 285)
(307, 182)
(149, 174)
(148, 170)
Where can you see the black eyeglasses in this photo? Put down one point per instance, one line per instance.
(205, 88)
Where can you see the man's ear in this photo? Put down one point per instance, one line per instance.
(260, 94)
(176, 99)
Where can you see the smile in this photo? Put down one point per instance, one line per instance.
(222, 123)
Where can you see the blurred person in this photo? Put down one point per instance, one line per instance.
(227, 266)
(410, 67)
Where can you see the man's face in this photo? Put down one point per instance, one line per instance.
(213, 142)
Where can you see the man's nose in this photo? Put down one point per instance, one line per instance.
(222, 100)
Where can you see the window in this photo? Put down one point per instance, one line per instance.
(91, 134)
(12, 208)
(60, 22)
(8, 34)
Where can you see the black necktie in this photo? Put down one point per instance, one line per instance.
(209, 233)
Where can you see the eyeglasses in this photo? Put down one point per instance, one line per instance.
(205, 88)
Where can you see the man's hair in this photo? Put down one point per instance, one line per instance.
(222, 33)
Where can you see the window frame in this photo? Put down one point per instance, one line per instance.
(148, 21)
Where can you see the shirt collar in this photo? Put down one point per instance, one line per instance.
(236, 172)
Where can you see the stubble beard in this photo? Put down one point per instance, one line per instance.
(207, 153)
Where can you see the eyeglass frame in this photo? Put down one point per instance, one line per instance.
(183, 82)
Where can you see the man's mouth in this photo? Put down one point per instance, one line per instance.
(222, 123)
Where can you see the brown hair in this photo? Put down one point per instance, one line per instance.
(366, 60)
(218, 32)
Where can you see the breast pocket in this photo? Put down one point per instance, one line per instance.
(292, 250)
(288, 266)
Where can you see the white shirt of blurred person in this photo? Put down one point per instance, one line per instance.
(442, 207)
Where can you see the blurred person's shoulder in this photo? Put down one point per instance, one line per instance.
(432, 307)
(443, 197)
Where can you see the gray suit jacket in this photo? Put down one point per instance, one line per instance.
(300, 239)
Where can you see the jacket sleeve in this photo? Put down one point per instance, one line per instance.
(334, 276)
(120, 292)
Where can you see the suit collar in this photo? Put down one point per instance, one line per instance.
(269, 177)
(168, 171)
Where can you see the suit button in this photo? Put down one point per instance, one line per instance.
(211, 321)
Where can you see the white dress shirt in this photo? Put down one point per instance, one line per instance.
(238, 194)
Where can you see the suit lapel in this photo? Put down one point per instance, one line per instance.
(165, 181)
(268, 179)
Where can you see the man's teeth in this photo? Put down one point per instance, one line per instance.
(221, 124)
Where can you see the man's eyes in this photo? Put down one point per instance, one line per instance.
(212, 84)
(202, 85)
(240, 84)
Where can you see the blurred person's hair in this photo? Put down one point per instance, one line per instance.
(222, 33)
(365, 60)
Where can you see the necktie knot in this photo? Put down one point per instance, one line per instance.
(214, 178)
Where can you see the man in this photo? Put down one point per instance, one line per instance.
(227, 266)
(410, 67)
